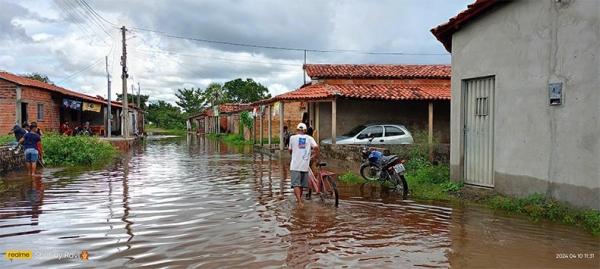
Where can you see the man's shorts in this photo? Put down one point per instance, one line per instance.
(31, 155)
(299, 179)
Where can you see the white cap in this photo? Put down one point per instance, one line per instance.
(301, 126)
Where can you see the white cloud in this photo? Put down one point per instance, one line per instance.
(61, 39)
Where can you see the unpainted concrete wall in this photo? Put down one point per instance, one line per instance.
(539, 148)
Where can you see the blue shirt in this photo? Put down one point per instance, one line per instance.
(31, 140)
(19, 132)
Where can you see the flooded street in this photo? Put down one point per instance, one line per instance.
(194, 203)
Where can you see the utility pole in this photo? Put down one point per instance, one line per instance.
(304, 69)
(139, 98)
(109, 112)
(124, 76)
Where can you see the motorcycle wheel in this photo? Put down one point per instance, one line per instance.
(369, 172)
(401, 185)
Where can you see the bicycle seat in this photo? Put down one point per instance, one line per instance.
(321, 164)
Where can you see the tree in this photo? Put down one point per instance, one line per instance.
(214, 95)
(191, 100)
(165, 115)
(133, 99)
(39, 77)
(245, 91)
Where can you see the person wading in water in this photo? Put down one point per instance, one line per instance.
(30, 143)
(303, 148)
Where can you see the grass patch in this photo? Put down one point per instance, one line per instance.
(351, 178)
(5, 139)
(538, 206)
(234, 139)
(76, 150)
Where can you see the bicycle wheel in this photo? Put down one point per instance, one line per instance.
(330, 191)
(401, 185)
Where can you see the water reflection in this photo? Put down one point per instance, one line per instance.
(191, 202)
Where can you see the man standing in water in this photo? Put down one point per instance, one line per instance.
(301, 147)
(30, 143)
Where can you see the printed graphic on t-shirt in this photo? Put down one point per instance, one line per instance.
(302, 142)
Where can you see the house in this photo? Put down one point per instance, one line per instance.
(27, 100)
(341, 97)
(228, 116)
(525, 109)
(225, 116)
(271, 115)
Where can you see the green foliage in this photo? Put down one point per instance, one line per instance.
(76, 150)
(351, 178)
(190, 100)
(244, 91)
(164, 115)
(39, 77)
(4, 139)
(246, 119)
(230, 139)
(133, 99)
(451, 186)
(236, 139)
(214, 95)
(537, 206)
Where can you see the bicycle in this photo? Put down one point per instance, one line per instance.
(324, 185)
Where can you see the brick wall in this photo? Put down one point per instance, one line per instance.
(51, 117)
(7, 106)
(292, 116)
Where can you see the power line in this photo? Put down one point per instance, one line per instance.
(72, 76)
(204, 40)
(286, 48)
(92, 15)
(218, 58)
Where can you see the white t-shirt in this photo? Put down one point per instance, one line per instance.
(301, 146)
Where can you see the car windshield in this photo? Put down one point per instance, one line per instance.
(355, 131)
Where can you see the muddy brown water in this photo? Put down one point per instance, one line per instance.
(194, 203)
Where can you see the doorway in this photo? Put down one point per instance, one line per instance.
(24, 115)
(478, 113)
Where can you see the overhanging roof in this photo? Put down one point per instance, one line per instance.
(444, 32)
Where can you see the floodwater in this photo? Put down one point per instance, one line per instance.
(194, 203)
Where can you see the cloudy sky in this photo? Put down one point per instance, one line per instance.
(65, 40)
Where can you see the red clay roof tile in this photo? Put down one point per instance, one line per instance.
(23, 81)
(422, 91)
(397, 71)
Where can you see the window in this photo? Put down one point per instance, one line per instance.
(355, 131)
(393, 131)
(481, 106)
(376, 131)
(40, 112)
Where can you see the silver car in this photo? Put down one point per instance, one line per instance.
(383, 134)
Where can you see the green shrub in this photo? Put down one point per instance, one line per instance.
(351, 178)
(5, 139)
(236, 139)
(76, 150)
(537, 206)
(246, 120)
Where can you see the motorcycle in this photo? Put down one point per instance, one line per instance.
(377, 167)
